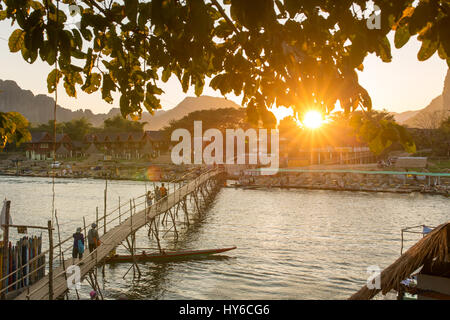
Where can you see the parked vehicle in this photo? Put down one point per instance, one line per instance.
(55, 164)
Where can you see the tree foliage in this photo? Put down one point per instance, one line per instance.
(13, 128)
(287, 53)
(49, 127)
(221, 119)
(119, 124)
(76, 129)
(377, 129)
(298, 54)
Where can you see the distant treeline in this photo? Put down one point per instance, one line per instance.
(76, 129)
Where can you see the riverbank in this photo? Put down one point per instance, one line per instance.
(350, 180)
(133, 172)
(399, 189)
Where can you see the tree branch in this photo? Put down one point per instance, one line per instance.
(224, 15)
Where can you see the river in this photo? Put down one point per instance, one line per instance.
(291, 244)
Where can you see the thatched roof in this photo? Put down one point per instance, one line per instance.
(155, 135)
(40, 137)
(433, 246)
(147, 147)
(62, 150)
(92, 150)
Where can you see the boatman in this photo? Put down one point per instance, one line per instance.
(93, 237)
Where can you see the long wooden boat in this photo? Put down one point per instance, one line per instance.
(166, 255)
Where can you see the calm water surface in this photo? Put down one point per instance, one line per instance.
(292, 244)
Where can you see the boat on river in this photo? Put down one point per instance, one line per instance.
(165, 256)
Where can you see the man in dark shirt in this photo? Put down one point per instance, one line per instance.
(93, 238)
(78, 245)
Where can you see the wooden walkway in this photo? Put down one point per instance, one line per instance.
(110, 240)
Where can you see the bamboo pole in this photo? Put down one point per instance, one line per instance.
(5, 246)
(84, 224)
(61, 253)
(50, 261)
(131, 216)
(96, 216)
(119, 212)
(104, 211)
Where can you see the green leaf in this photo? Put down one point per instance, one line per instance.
(124, 104)
(108, 86)
(199, 84)
(441, 52)
(16, 40)
(185, 82)
(427, 49)
(402, 36)
(29, 56)
(385, 50)
(51, 55)
(53, 79)
(92, 83)
(166, 74)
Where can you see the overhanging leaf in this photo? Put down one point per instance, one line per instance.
(16, 40)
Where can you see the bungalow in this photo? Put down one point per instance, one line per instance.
(127, 145)
(41, 146)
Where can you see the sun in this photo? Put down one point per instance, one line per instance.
(313, 119)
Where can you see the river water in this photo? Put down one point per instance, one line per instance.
(291, 244)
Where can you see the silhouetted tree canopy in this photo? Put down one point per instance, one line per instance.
(222, 119)
(298, 54)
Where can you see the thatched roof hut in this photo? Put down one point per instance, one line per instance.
(63, 151)
(432, 249)
(93, 150)
(147, 148)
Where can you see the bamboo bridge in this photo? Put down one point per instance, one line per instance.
(119, 226)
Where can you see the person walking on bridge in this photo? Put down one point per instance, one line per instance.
(149, 199)
(78, 245)
(93, 238)
(163, 192)
(157, 194)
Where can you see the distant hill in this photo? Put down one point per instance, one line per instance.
(404, 116)
(39, 108)
(432, 115)
(188, 105)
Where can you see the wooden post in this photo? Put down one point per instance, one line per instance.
(5, 246)
(84, 224)
(50, 261)
(96, 216)
(61, 255)
(119, 212)
(131, 216)
(104, 211)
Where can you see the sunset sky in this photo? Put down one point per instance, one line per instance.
(404, 84)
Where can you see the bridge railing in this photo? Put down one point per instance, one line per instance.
(124, 210)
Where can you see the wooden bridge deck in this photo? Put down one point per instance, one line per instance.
(110, 240)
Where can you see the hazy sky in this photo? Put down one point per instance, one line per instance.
(404, 84)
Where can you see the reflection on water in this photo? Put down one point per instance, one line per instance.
(291, 244)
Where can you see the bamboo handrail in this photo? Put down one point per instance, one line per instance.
(173, 194)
